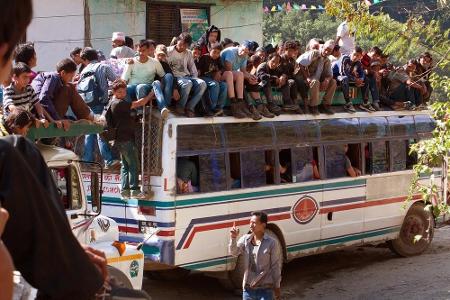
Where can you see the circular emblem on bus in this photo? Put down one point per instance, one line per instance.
(305, 210)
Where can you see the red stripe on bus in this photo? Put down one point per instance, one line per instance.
(128, 229)
(229, 224)
(367, 204)
(166, 233)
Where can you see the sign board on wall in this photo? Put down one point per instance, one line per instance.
(194, 21)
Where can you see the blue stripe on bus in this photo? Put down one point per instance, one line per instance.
(225, 218)
(136, 222)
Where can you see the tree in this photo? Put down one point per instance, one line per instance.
(401, 39)
(298, 25)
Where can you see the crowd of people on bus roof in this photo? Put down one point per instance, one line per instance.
(191, 78)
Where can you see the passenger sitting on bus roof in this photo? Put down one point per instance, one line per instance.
(187, 176)
(418, 87)
(210, 70)
(196, 53)
(253, 91)
(400, 95)
(120, 50)
(424, 69)
(19, 122)
(270, 76)
(374, 54)
(20, 95)
(351, 171)
(182, 63)
(208, 39)
(348, 70)
(122, 116)
(234, 59)
(75, 56)
(140, 77)
(261, 52)
(57, 94)
(288, 67)
(161, 56)
(227, 43)
(319, 77)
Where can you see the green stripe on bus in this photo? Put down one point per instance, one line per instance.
(339, 240)
(205, 264)
(224, 198)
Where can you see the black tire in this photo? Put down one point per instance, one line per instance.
(236, 276)
(417, 221)
(119, 277)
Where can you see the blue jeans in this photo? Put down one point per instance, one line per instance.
(257, 294)
(167, 83)
(129, 171)
(91, 139)
(217, 92)
(370, 84)
(186, 84)
(139, 91)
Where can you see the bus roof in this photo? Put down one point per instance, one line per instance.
(290, 117)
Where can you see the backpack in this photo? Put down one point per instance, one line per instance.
(110, 131)
(89, 88)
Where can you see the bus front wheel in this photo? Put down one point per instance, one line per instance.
(416, 232)
(236, 276)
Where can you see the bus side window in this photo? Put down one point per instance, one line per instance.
(187, 175)
(343, 160)
(253, 165)
(305, 165)
(212, 172)
(398, 155)
(235, 170)
(377, 157)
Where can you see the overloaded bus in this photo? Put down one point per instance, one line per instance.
(294, 167)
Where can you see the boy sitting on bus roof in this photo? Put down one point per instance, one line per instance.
(57, 94)
(183, 66)
(210, 70)
(317, 71)
(140, 75)
(121, 116)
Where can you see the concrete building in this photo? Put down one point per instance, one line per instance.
(60, 25)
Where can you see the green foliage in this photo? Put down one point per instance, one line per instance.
(298, 25)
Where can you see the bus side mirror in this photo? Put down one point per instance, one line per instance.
(96, 196)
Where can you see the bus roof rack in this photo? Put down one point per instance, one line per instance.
(76, 129)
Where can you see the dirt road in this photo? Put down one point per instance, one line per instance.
(355, 273)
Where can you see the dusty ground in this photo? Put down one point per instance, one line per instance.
(356, 273)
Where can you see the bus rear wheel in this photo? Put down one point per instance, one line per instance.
(236, 276)
(417, 223)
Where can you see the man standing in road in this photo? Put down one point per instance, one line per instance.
(262, 259)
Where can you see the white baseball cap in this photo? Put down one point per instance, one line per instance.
(118, 36)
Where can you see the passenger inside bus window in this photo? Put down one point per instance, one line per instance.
(285, 166)
(187, 175)
(269, 167)
(235, 170)
(305, 167)
(351, 169)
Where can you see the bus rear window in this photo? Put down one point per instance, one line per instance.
(377, 158)
(212, 172)
(398, 152)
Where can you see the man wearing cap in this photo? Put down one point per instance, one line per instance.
(120, 50)
(316, 68)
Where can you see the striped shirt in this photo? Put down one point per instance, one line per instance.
(24, 100)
